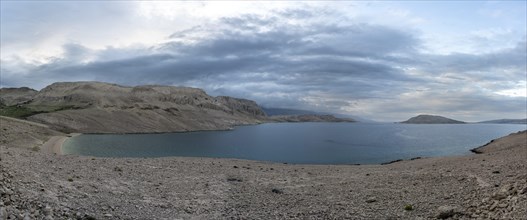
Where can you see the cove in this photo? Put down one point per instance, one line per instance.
(299, 143)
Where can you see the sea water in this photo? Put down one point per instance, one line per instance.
(300, 143)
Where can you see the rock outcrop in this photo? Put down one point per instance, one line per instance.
(431, 119)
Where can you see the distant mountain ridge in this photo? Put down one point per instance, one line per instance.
(505, 121)
(431, 119)
(309, 118)
(288, 111)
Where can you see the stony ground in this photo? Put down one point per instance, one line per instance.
(491, 185)
(24, 134)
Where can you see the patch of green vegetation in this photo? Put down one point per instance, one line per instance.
(35, 148)
(18, 111)
(408, 207)
(24, 111)
(52, 108)
(70, 179)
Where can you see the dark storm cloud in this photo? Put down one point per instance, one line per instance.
(508, 58)
(319, 52)
(315, 65)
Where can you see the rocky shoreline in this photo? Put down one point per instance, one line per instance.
(40, 185)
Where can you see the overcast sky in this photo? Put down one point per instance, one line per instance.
(382, 60)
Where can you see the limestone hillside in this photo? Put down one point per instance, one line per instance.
(13, 96)
(96, 107)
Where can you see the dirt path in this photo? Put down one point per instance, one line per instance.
(24, 121)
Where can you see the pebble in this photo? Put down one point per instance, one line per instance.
(108, 215)
(523, 191)
(503, 192)
(26, 216)
(277, 191)
(3, 213)
(47, 210)
(493, 206)
(371, 199)
(445, 212)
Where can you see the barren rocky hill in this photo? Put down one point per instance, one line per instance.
(13, 96)
(431, 119)
(109, 108)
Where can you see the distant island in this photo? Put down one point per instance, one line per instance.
(98, 107)
(431, 119)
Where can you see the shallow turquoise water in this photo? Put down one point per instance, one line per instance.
(305, 143)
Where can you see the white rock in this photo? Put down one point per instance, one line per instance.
(47, 211)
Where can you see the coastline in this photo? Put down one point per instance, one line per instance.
(55, 143)
(490, 185)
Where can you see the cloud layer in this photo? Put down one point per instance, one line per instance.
(301, 58)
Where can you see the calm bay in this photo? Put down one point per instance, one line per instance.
(300, 143)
